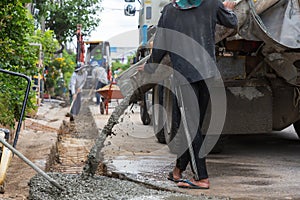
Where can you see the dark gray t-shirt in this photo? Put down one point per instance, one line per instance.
(189, 38)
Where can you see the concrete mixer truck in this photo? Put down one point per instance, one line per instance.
(259, 64)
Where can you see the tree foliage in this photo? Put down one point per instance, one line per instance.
(63, 66)
(19, 55)
(16, 27)
(118, 65)
(62, 16)
(49, 44)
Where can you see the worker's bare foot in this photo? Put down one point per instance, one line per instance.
(177, 173)
(193, 184)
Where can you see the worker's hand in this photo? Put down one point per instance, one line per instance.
(78, 90)
(229, 5)
(141, 67)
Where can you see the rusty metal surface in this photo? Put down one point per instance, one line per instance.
(232, 67)
(283, 64)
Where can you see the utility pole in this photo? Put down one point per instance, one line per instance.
(80, 45)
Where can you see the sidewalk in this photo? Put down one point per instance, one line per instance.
(36, 139)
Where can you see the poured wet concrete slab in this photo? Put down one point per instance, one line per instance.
(97, 188)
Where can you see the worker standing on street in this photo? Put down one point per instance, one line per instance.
(98, 57)
(195, 20)
(99, 77)
(76, 84)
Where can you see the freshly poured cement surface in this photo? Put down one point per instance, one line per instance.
(97, 188)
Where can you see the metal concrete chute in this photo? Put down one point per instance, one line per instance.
(285, 26)
(242, 11)
(277, 26)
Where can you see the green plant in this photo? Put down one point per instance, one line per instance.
(16, 27)
(67, 70)
(59, 73)
(118, 65)
(48, 42)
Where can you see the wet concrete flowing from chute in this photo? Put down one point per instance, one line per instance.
(94, 156)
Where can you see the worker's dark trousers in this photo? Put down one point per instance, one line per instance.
(194, 116)
(98, 96)
(76, 105)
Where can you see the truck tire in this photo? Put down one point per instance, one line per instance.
(157, 114)
(297, 128)
(219, 146)
(172, 120)
(145, 117)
